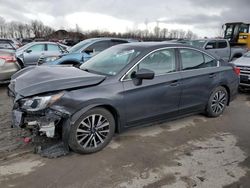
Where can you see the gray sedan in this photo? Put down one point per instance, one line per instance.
(124, 86)
(31, 52)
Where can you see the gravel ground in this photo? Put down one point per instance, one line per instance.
(11, 140)
(190, 152)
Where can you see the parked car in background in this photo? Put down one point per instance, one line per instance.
(219, 47)
(8, 65)
(243, 63)
(30, 53)
(5, 44)
(124, 86)
(83, 51)
(26, 41)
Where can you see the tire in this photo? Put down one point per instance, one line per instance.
(85, 138)
(217, 102)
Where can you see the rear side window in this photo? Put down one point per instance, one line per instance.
(192, 59)
(211, 45)
(209, 61)
(222, 44)
(116, 42)
(52, 47)
(5, 45)
(98, 47)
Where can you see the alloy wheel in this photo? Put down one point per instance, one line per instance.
(219, 101)
(92, 131)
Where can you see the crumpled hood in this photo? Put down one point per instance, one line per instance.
(40, 79)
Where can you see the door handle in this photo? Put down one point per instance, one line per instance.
(174, 83)
(212, 75)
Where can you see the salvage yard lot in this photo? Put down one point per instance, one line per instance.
(191, 152)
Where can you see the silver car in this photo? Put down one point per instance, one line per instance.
(8, 65)
(30, 53)
(243, 64)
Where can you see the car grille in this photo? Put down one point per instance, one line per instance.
(244, 70)
(244, 75)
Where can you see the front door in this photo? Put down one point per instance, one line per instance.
(157, 98)
(33, 53)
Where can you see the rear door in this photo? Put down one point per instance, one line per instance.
(199, 74)
(223, 50)
(156, 98)
(53, 50)
(33, 53)
(211, 46)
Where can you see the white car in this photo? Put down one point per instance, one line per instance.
(244, 64)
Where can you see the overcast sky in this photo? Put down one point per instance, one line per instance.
(204, 17)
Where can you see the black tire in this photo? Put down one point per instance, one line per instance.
(217, 102)
(89, 139)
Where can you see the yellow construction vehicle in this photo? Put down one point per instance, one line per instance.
(237, 33)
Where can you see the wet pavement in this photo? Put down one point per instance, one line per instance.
(190, 152)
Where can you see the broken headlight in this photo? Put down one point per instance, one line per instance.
(39, 103)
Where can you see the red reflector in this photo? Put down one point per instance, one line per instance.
(8, 59)
(237, 70)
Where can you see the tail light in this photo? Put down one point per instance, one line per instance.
(237, 70)
(8, 59)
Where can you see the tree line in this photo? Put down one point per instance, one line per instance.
(36, 29)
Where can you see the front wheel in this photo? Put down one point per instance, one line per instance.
(92, 131)
(217, 102)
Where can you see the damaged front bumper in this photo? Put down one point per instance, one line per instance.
(46, 122)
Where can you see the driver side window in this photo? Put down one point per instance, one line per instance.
(161, 62)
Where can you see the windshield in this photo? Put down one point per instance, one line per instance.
(247, 54)
(110, 61)
(79, 46)
(197, 43)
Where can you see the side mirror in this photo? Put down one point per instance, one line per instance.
(89, 51)
(209, 47)
(141, 75)
(28, 51)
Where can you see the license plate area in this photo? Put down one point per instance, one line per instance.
(244, 78)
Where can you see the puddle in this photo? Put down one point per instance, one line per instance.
(210, 163)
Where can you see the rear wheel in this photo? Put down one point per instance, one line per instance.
(92, 131)
(217, 102)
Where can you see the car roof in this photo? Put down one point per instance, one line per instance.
(150, 46)
(156, 45)
(105, 38)
(43, 42)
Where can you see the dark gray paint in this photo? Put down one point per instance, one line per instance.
(165, 96)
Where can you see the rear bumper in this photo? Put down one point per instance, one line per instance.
(7, 70)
